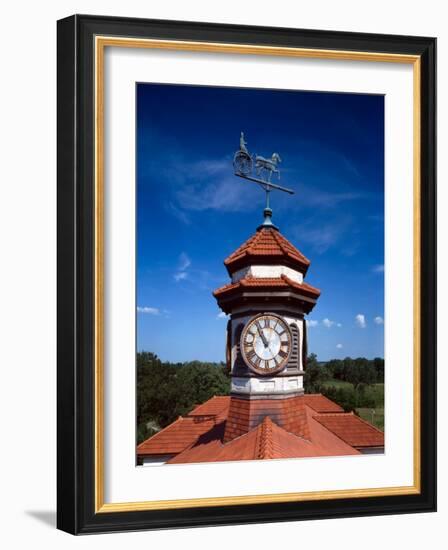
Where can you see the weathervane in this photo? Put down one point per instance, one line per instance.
(259, 170)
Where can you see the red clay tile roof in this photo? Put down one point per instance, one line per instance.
(229, 428)
(320, 403)
(185, 431)
(353, 430)
(216, 406)
(268, 283)
(176, 437)
(266, 246)
(265, 441)
(326, 443)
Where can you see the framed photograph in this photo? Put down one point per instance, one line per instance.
(246, 274)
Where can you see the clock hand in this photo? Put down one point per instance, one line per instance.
(263, 337)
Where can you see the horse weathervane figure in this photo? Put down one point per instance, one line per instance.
(243, 164)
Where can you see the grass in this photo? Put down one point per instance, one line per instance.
(378, 417)
(374, 392)
(337, 383)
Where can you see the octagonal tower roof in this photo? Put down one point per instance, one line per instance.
(267, 247)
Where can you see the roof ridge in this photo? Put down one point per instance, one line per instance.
(303, 284)
(265, 446)
(285, 244)
(290, 281)
(335, 413)
(279, 239)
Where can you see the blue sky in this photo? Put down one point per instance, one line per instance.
(192, 212)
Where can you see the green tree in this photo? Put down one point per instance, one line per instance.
(336, 368)
(315, 375)
(378, 365)
(166, 391)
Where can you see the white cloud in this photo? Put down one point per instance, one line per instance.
(378, 320)
(180, 276)
(327, 323)
(339, 324)
(178, 213)
(378, 268)
(323, 237)
(210, 167)
(312, 323)
(150, 310)
(339, 346)
(321, 198)
(184, 264)
(221, 315)
(361, 320)
(210, 185)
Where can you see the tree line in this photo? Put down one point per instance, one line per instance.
(359, 375)
(355, 371)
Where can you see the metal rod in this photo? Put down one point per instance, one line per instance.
(265, 183)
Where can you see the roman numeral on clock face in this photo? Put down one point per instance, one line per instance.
(266, 343)
(250, 353)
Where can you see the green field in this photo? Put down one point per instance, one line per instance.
(337, 384)
(378, 416)
(376, 391)
(373, 392)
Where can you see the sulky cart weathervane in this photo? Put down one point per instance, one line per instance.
(259, 170)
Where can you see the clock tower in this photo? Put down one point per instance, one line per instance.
(267, 300)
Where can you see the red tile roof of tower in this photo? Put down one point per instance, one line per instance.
(266, 283)
(267, 246)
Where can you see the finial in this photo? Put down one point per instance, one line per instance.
(267, 214)
(267, 220)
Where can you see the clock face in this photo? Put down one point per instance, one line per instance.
(266, 343)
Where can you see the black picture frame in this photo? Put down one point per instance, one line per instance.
(76, 264)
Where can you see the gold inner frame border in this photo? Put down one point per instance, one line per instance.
(100, 43)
